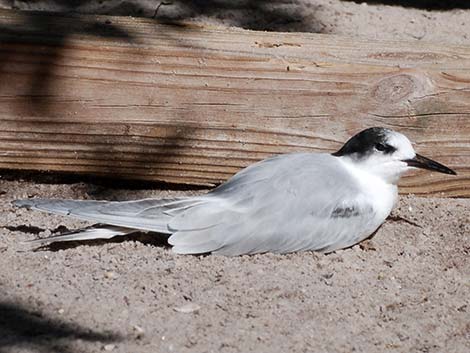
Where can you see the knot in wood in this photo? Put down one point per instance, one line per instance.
(394, 89)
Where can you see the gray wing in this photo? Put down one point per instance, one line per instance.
(282, 204)
(148, 214)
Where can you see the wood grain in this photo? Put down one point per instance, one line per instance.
(131, 98)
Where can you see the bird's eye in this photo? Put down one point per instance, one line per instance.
(380, 147)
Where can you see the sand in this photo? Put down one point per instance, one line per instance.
(405, 290)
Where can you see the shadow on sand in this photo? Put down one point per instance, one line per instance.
(22, 328)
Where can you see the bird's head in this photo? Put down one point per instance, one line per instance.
(386, 153)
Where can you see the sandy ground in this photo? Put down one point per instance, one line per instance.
(406, 290)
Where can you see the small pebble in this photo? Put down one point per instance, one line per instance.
(109, 347)
(110, 275)
(138, 331)
(188, 308)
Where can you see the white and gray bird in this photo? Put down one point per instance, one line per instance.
(292, 202)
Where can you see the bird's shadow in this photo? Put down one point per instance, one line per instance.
(161, 240)
(152, 239)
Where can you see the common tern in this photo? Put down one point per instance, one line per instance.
(287, 203)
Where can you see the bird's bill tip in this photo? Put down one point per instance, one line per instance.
(425, 163)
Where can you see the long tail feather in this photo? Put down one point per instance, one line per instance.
(148, 214)
(95, 232)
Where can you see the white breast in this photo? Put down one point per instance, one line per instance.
(381, 195)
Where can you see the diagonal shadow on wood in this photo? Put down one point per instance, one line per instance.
(43, 52)
(41, 102)
(33, 52)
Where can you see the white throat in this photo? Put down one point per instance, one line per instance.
(388, 170)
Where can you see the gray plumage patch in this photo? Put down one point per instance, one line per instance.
(345, 212)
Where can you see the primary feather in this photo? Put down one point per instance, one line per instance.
(96, 232)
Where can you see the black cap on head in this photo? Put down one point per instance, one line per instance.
(375, 140)
(365, 142)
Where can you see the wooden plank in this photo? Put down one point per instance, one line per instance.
(131, 98)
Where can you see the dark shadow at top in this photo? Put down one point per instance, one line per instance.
(421, 4)
(269, 15)
(21, 328)
(275, 15)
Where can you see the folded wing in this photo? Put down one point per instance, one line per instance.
(289, 203)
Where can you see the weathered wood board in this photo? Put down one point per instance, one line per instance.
(131, 98)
